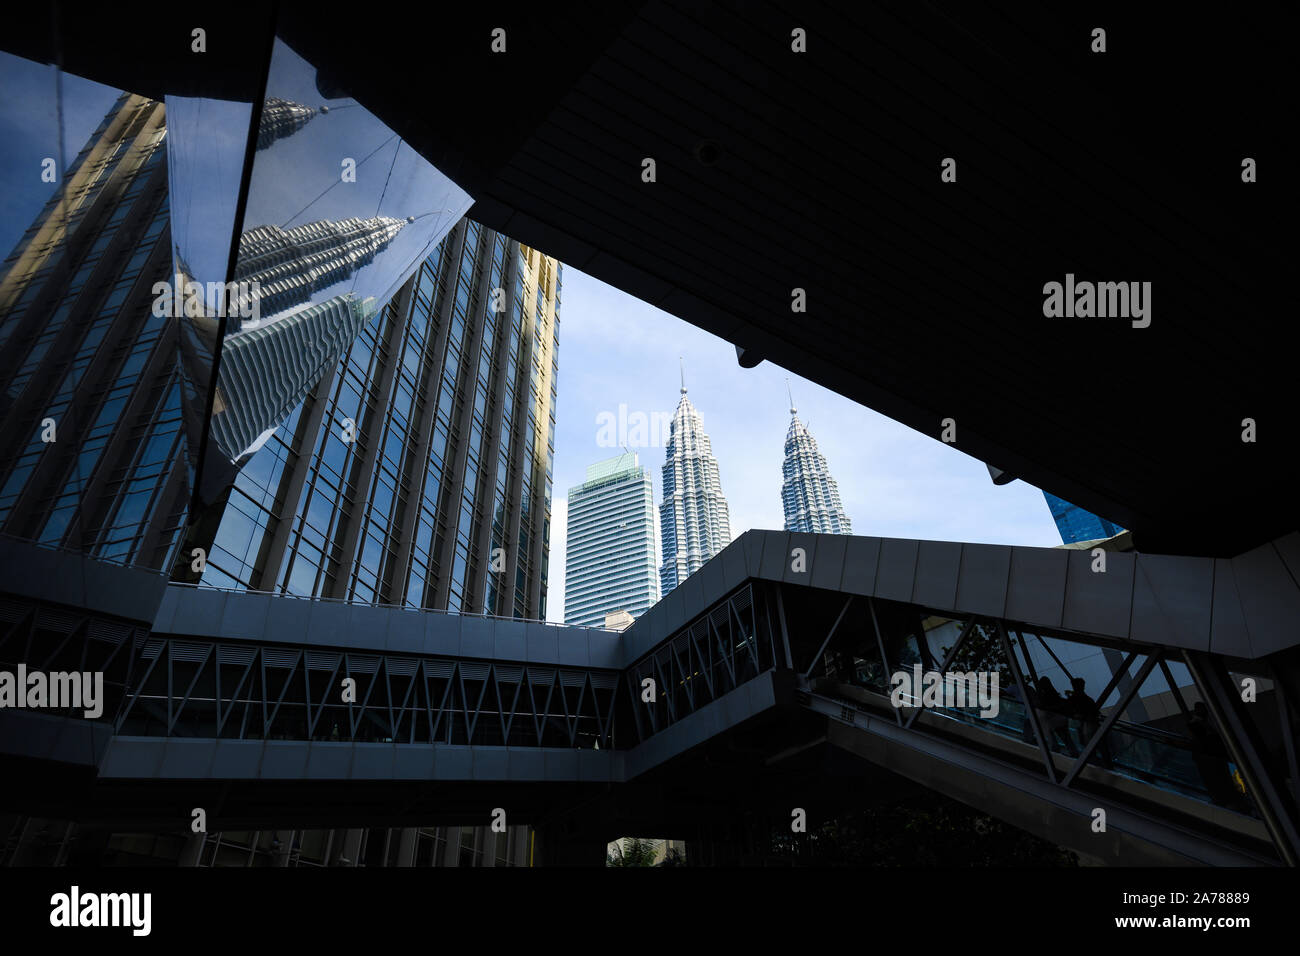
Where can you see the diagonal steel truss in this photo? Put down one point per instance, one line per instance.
(1264, 778)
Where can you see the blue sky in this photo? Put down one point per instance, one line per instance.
(29, 132)
(894, 482)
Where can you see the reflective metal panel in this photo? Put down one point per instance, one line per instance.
(339, 212)
(91, 448)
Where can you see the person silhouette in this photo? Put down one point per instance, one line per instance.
(1211, 757)
(1054, 713)
(1087, 714)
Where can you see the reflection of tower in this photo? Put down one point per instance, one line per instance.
(281, 118)
(694, 520)
(266, 372)
(289, 265)
(80, 345)
(809, 494)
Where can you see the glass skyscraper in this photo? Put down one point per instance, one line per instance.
(694, 521)
(610, 556)
(418, 471)
(809, 495)
(1075, 524)
(394, 453)
(93, 448)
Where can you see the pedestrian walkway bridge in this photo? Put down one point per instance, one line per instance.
(764, 676)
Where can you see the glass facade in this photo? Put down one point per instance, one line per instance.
(93, 447)
(417, 471)
(1075, 524)
(610, 555)
(380, 429)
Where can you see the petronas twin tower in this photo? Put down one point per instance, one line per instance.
(693, 520)
(809, 493)
(695, 523)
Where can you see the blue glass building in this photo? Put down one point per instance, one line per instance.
(1075, 524)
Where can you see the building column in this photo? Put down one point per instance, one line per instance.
(192, 852)
(349, 845)
(564, 844)
(451, 850)
(406, 843)
(284, 852)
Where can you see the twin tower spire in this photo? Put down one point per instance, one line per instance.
(695, 522)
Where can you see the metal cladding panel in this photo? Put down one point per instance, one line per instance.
(1172, 600)
(596, 766)
(938, 564)
(861, 559)
(1100, 602)
(1228, 632)
(405, 632)
(712, 577)
(572, 645)
(733, 563)
(693, 596)
(185, 759)
(527, 763)
(286, 620)
(658, 624)
(244, 618)
(328, 623)
(476, 636)
(775, 560)
(604, 650)
(162, 620)
(285, 759)
(982, 580)
(368, 626)
(199, 609)
(543, 644)
(1036, 589)
(382, 761)
(237, 759)
(453, 762)
(124, 592)
(897, 572)
(753, 550)
(510, 641)
(674, 606)
(135, 757)
(1270, 599)
(794, 541)
(1288, 547)
(490, 763)
(442, 634)
(329, 760)
(29, 734)
(829, 568)
(561, 764)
